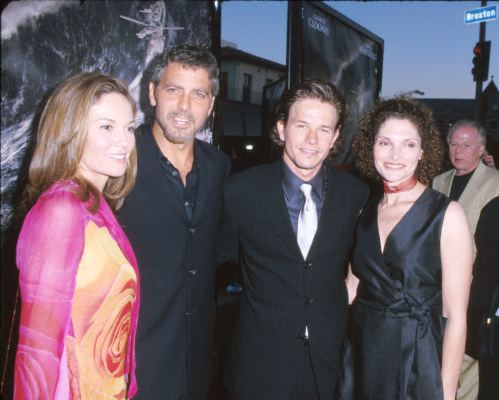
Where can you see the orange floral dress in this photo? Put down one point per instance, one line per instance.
(80, 297)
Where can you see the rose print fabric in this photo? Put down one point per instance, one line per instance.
(80, 297)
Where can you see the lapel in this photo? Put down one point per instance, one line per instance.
(271, 199)
(272, 202)
(330, 210)
(206, 175)
(473, 187)
(149, 160)
(447, 182)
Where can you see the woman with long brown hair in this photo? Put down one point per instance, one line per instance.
(77, 272)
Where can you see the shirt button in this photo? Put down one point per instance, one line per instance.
(309, 300)
(302, 338)
(192, 230)
(191, 312)
(174, 173)
(308, 266)
(192, 272)
(186, 204)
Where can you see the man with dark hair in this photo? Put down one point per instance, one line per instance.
(171, 218)
(291, 225)
(473, 184)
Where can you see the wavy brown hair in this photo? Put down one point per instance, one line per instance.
(61, 136)
(314, 89)
(401, 108)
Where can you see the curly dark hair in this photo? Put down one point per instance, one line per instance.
(314, 89)
(402, 108)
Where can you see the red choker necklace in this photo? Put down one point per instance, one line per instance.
(404, 186)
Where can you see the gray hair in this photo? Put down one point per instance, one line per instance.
(190, 56)
(468, 122)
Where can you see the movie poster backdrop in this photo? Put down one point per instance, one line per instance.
(335, 48)
(44, 42)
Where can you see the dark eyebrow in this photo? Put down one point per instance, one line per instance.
(166, 84)
(175, 85)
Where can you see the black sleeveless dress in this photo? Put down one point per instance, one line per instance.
(394, 342)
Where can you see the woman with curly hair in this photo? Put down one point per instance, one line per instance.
(77, 272)
(411, 265)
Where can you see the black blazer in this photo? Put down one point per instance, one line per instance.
(282, 292)
(485, 285)
(176, 259)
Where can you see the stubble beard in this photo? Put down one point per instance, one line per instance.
(178, 139)
(176, 135)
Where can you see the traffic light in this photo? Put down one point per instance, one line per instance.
(480, 69)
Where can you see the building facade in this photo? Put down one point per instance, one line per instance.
(243, 77)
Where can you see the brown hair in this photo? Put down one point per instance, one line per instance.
(61, 136)
(310, 89)
(401, 108)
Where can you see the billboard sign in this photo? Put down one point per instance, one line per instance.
(331, 47)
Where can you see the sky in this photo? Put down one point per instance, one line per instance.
(427, 45)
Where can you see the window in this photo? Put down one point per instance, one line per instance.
(224, 78)
(247, 78)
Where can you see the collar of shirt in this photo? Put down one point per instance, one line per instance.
(459, 183)
(291, 183)
(465, 176)
(187, 194)
(162, 158)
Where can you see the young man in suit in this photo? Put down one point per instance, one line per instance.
(171, 218)
(473, 185)
(291, 225)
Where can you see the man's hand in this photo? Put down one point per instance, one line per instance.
(488, 159)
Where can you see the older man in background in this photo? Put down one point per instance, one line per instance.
(473, 184)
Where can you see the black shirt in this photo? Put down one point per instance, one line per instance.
(186, 194)
(459, 184)
(295, 198)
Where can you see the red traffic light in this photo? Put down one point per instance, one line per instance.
(480, 69)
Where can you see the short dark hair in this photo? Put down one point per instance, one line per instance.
(314, 89)
(190, 56)
(482, 134)
(401, 108)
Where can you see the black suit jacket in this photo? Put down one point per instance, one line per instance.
(176, 260)
(282, 292)
(484, 292)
